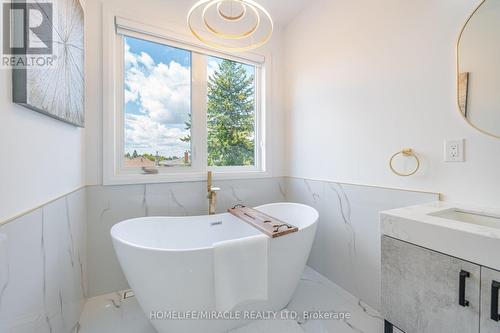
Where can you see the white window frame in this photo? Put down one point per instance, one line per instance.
(114, 27)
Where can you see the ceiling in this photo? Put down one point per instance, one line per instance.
(283, 11)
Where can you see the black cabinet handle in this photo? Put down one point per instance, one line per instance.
(495, 286)
(461, 292)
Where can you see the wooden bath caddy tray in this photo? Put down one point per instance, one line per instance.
(269, 225)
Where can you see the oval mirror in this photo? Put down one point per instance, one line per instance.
(479, 68)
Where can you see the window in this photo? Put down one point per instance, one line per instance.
(230, 113)
(157, 105)
(180, 110)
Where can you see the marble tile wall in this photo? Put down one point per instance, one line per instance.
(108, 205)
(347, 244)
(43, 268)
(48, 264)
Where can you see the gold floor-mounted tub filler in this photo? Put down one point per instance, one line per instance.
(212, 195)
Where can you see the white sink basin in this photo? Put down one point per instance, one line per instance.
(463, 231)
(486, 220)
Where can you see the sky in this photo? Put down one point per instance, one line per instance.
(158, 96)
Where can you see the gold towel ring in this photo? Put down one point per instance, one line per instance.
(408, 152)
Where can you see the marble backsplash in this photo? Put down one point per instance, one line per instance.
(347, 245)
(43, 267)
(108, 205)
(56, 256)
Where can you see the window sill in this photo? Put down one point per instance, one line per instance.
(133, 179)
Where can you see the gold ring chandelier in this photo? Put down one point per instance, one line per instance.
(253, 36)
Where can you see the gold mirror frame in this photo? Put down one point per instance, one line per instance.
(458, 74)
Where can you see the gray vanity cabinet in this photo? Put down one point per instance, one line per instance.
(427, 292)
(490, 284)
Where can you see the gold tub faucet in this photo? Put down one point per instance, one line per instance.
(212, 195)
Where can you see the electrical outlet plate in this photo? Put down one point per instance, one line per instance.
(454, 150)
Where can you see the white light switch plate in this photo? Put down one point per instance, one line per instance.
(454, 150)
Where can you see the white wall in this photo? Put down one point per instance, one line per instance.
(365, 78)
(479, 55)
(41, 158)
(168, 15)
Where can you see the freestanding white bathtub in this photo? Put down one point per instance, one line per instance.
(168, 262)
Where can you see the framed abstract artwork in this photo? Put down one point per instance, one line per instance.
(51, 80)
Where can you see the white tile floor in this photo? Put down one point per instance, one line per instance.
(110, 314)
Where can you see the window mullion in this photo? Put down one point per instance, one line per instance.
(199, 111)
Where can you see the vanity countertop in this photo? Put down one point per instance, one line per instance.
(466, 240)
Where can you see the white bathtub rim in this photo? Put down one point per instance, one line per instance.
(314, 220)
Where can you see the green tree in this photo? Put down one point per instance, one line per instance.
(134, 154)
(187, 123)
(230, 116)
(150, 157)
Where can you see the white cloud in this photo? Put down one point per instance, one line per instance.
(213, 65)
(163, 93)
(146, 135)
(146, 60)
(130, 58)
